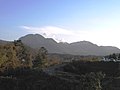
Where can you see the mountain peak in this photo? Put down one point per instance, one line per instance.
(88, 43)
(33, 35)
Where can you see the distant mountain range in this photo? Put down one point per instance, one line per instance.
(77, 48)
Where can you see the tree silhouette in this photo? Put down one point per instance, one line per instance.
(40, 58)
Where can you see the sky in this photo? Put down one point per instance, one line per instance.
(69, 21)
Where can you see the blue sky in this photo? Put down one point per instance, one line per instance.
(64, 20)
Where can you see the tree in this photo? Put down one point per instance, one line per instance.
(23, 54)
(8, 57)
(14, 55)
(114, 56)
(119, 56)
(91, 81)
(40, 58)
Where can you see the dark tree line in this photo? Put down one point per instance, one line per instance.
(115, 56)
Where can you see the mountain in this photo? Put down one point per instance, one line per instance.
(2, 42)
(77, 48)
(36, 41)
(85, 48)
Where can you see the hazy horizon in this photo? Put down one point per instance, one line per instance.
(69, 21)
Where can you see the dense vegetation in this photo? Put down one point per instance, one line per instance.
(14, 55)
(22, 68)
(114, 56)
(109, 72)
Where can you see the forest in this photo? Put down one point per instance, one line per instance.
(23, 68)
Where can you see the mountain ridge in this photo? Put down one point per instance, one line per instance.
(76, 48)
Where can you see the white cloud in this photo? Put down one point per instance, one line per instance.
(105, 36)
(49, 31)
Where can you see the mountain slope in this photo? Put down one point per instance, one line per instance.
(77, 48)
(85, 48)
(2, 42)
(36, 41)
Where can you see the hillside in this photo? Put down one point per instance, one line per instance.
(2, 42)
(36, 41)
(77, 48)
(21, 70)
